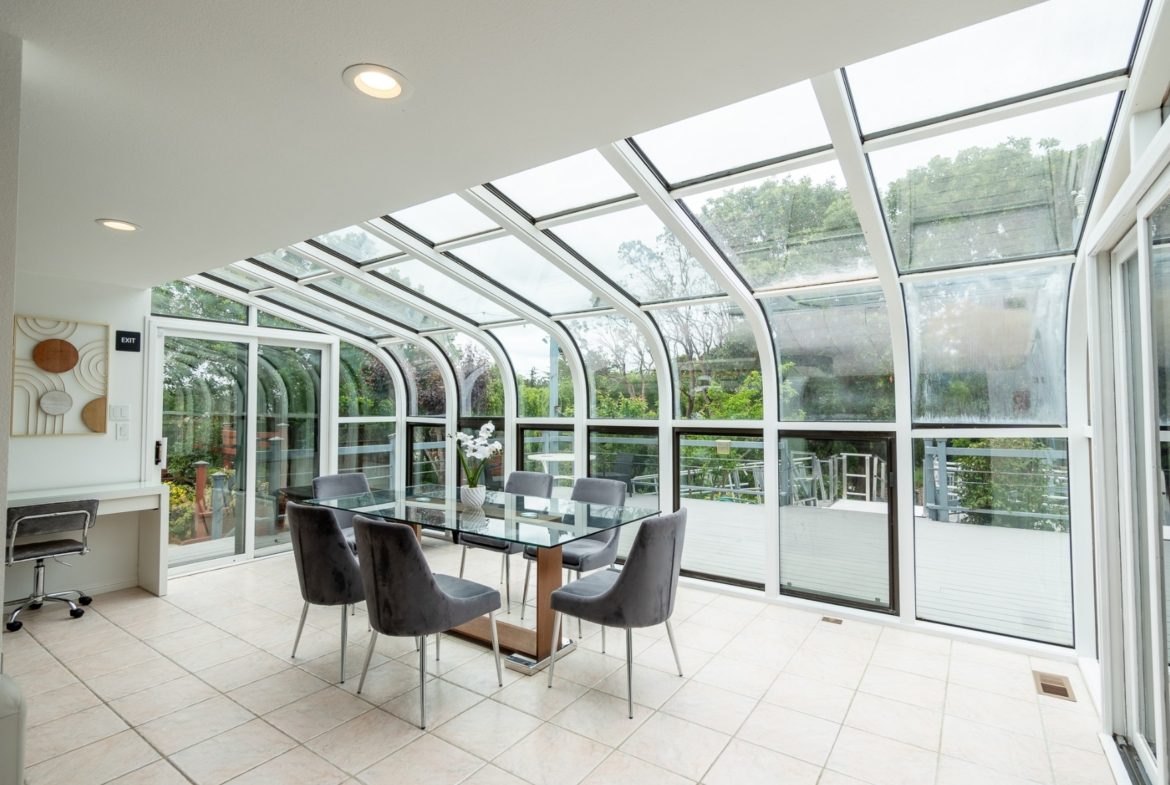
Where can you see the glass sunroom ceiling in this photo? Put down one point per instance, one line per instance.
(773, 125)
(790, 229)
(1045, 45)
(323, 312)
(291, 262)
(357, 244)
(637, 252)
(382, 303)
(1013, 188)
(423, 279)
(237, 277)
(443, 219)
(521, 269)
(567, 184)
(834, 354)
(989, 347)
(544, 385)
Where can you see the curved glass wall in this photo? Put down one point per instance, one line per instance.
(988, 348)
(1011, 189)
(793, 229)
(544, 387)
(365, 424)
(636, 251)
(365, 388)
(714, 361)
(622, 379)
(424, 382)
(834, 354)
(481, 388)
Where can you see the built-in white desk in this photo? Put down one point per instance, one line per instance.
(151, 502)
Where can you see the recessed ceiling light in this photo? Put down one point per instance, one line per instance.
(376, 81)
(117, 224)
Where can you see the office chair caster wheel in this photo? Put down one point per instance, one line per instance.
(13, 626)
(85, 599)
(77, 613)
(36, 606)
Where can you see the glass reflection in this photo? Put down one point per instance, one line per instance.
(425, 389)
(356, 244)
(481, 389)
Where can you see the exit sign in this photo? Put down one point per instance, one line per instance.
(125, 341)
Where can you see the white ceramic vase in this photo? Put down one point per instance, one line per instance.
(472, 497)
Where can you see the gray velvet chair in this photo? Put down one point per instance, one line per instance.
(326, 567)
(642, 594)
(36, 532)
(404, 598)
(523, 483)
(591, 553)
(331, 486)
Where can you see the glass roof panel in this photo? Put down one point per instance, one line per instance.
(623, 383)
(834, 353)
(446, 218)
(989, 347)
(379, 301)
(423, 279)
(714, 360)
(481, 388)
(792, 229)
(291, 262)
(324, 313)
(544, 385)
(237, 277)
(638, 253)
(576, 181)
(357, 244)
(1013, 188)
(424, 381)
(771, 125)
(516, 266)
(186, 300)
(265, 319)
(1042, 46)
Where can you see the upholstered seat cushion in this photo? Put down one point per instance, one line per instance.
(489, 543)
(468, 598)
(579, 598)
(28, 551)
(584, 555)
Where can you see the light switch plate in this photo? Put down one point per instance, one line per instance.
(120, 413)
(121, 431)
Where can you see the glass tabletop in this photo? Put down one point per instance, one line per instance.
(509, 517)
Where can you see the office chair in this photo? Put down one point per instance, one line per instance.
(39, 523)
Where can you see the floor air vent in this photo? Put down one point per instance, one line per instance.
(831, 619)
(1053, 685)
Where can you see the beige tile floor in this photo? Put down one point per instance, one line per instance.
(199, 687)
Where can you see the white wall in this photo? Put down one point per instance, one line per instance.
(10, 62)
(51, 462)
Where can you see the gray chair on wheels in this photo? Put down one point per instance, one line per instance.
(642, 594)
(48, 525)
(404, 598)
(590, 553)
(331, 486)
(326, 567)
(525, 484)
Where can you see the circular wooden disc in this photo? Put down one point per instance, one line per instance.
(93, 414)
(55, 355)
(55, 402)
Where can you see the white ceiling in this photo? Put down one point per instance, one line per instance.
(223, 128)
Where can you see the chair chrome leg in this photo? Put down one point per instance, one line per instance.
(369, 655)
(300, 628)
(438, 637)
(603, 639)
(579, 633)
(496, 648)
(524, 597)
(422, 682)
(673, 646)
(462, 561)
(344, 641)
(556, 644)
(507, 568)
(630, 671)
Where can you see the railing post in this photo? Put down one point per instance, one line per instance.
(219, 491)
(200, 495)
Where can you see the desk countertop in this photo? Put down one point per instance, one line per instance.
(109, 492)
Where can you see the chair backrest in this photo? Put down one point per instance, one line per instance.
(326, 566)
(596, 490)
(529, 484)
(330, 486)
(402, 596)
(647, 586)
(53, 518)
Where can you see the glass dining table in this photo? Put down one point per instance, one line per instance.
(544, 523)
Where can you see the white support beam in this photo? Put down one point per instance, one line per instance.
(846, 137)
(622, 157)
